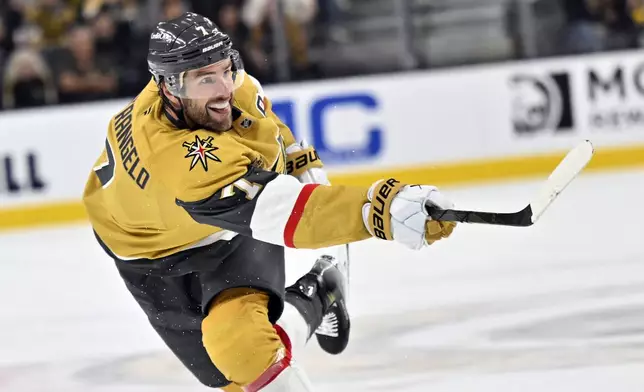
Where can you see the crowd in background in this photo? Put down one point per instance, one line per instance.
(601, 25)
(65, 51)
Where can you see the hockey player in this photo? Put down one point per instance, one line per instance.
(198, 191)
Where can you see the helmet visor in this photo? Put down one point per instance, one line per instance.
(218, 80)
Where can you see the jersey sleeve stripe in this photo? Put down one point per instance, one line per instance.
(274, 208)
(296, 214)
(238, 206)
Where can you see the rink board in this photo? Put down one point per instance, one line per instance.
(462, 126)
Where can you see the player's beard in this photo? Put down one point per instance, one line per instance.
(198, 113)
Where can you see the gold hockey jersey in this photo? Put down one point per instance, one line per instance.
(158, 189)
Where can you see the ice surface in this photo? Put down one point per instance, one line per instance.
(554, 307)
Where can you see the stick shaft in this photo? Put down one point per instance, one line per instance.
(520, 218)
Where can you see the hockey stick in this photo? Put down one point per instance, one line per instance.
(573, 163)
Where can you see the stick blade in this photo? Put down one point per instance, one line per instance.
(573, 163)
(569, 167)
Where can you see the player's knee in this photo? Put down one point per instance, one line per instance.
(238, 336)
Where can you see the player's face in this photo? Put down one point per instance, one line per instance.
(209, 96)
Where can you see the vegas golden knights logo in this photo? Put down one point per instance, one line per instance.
(200, 151)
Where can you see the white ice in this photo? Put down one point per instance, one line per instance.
(555, 307)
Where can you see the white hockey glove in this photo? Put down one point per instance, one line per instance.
(303, 163)
(397, 212)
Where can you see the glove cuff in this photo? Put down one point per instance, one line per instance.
(298, 162)
(378, 218)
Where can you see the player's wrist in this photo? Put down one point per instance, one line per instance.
(303, 162)
(397, 211)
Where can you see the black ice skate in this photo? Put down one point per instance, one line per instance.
(325, 282)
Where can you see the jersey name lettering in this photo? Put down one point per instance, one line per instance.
(129, 155)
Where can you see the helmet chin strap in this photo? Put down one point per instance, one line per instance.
(175, 115)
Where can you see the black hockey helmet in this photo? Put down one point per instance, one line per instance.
(189, 42)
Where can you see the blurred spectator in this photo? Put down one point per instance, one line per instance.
(254, 58)
(208, 9)
(3, 37)
(173, 9)
(297, 15)
(121, 32)
(584, 32)
(53, 17)
(107, 40)
(138, 15)
(331, 13)
(81, 75)
(12, 19)
(636, 8)
(95, 49)
(27, 36)
(622, 30)
(91, 8)
(27, 81)
(599, 25)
